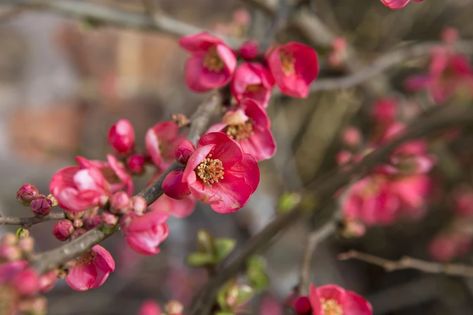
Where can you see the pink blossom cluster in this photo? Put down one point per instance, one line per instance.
(450, 74)
(331, 299)
(391, 191)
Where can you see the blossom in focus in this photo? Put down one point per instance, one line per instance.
(335, 300)
(449, 74)
(294, 67)
(252, 80)
(162, 141)
(78, 188)
(121, 136)
(249, 125)
(211, 64)
(397, 4)
(220, 173)
(90, 270)
(144, 233)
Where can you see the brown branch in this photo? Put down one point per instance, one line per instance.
(322, 189)
(410, 263)
(51, 259)
(29, 221)
(115, 17)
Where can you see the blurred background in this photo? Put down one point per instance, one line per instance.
(64, 81)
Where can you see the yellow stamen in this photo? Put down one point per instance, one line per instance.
(331, 307)
(240, 131)
(212, 61)
(287, 63)
(210, 171)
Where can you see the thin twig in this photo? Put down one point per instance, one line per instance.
(29, 221)
(51, 259)
(114, 17)
(410, 263)
(321, 189)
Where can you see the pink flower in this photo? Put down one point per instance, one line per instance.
(19, 276)
(339, 52)
(249, 125)
(448, 246)
(449, 74)
(384, 111)
(78, 188)
(332, 299)
(220, 173)
(121, 136)
(211, 64)
(149, 307)
(91, 270)
(397, 4)
(294, 66)
(144, 233)
(178, 208)
(254, 81)
(162, 141)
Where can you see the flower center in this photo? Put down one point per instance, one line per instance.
(86, 258)
(331, 307)
(212, 61)
(240, 131)
(287, 63)
(210, 170)
(253, 88)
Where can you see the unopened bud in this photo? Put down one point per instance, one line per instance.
(41, 206)
(26, 193)
(138, 204)
(136, 163)
(63, 229)
(184, 151)
(120, 202)
(109, 218)
(121, 136)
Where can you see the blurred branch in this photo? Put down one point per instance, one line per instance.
(410, 263)
(55, 257)
(116, 17)
(383, 63)
(29, 221)
(315, 237)
(324, 188)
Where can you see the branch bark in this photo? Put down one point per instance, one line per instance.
(29, 221)
(410, 263)
(51, 259)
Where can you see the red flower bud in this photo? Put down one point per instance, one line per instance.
(302, 306)
(27, 193)
(136, 163)
(41, 206)
(174, 187)
(120, 202)
(121, 136)
(249, 50)
(63, 229)
(184, 151)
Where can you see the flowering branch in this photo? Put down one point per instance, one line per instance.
(55, 257)
(29, 221)
(410, 263)
(324, 188)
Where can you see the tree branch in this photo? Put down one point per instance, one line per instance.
(116, 17)
(410, 263)
(324, 188)
(51, 259)
(29, 221)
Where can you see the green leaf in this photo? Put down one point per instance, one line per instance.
(223, 247)
(200, 259)
(288, 201)
(205, 242)
(245, 293)
(256, 273)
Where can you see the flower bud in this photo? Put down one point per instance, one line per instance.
(174, 308)
(109, 218)
(184, 151)
(136, 163)
(41, 206)
(26, 282)
(302, 306)
(120, 202)
(351, 136)
(138, 204)
(26, 244)
(27, 193)
(63, 229)
(121, 136)
(173, 185)
(249, 50)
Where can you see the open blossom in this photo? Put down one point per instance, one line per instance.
(397, 4)
(220, 173)
(144, 233)
(294, 66)
(78, 188)
(449, 74)
(121, 136)
(177, 208)
(335, 300)
(162, 141)
(211, 64)
(254, 81)
(90, 270)
(249, 125)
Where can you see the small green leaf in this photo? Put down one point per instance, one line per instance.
(288, 201)
(245, 293)
(223, 247)
(200, 259)
(256, 273)
(205, 241)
